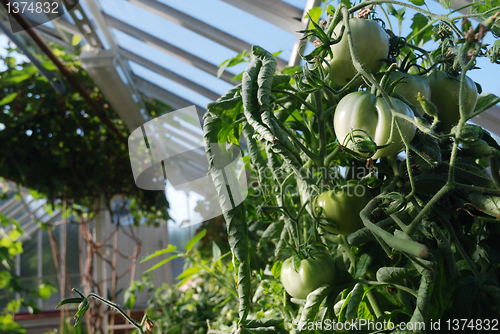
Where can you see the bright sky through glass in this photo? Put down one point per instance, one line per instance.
(487, 77)
(217, 13)
(173, 64)
(235, 22)
(238, 23)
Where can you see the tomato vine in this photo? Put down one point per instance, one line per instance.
(420, 231)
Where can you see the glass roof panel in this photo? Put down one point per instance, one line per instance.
(173, 64)
(169, 85)
(167, 31)
(297, 3)
(238, 23)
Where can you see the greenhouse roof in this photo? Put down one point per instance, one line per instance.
(171, 50)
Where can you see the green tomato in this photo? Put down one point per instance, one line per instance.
(410, 86)
(302, 277)
(371, 45)
(341, 207)
(363, 110)
(444, 94)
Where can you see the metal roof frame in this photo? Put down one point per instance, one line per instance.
(169, 74)
(166, 47)
(180, 18)
(163, 95)
(277, 12)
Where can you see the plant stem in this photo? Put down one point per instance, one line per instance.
(293, 137)
(295, 95)
(374, 303)
(331, 156)
(119, 310)
(408, 246)
(460, 249)
(416, 221)
(347, 249)
(321, 125)
(397, 286)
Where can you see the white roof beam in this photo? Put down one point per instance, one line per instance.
(489, 119)
(277, 12)
(167, 48)
(169, 74)
(163, 95)
(197, 26)
(67, 27)
(86, 27)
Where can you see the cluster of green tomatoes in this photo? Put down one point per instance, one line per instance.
(372, 116)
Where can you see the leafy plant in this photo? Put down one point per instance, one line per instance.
(11, 284)
(422, 242)
(427, 248)
(55, 144)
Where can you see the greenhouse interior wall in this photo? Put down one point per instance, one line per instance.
(37, 264)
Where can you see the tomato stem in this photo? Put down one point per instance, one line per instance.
(296, 96)
(397, 286)
(494, 171)
(321, 125)
(459, 246)
(374, 304)
(409, 246)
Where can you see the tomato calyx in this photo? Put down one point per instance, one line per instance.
(362, 145)
(308, 251)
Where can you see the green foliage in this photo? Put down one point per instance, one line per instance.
(11, 284)
(427, 218)
(203, 295)
(428, 246)
(56, 145)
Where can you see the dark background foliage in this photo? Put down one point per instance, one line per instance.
(55, 144)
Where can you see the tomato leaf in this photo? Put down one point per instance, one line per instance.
(45, 290)
(238, 59)
(195, 239)
(346, 3)
(353, 304)
(314, 14)
(161, 263)
(74, 300)
(216, 253)
(314, 300)
(129, 298)
(276, 270)
(75, 40)
(272, 231)
(486, 203)
(362, 265)
(418, 2)
(187, 274)
(446, 4)
(169, 249)
(343, 310)
(393, 275)
(419, 22)
(485, 102)
(399, 14)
